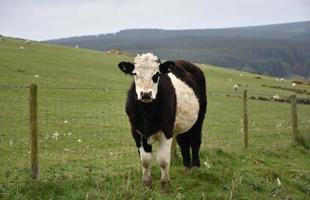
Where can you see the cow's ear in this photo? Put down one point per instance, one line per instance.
(166, 67)
(126, 67)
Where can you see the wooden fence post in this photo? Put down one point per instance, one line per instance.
(294, 118)
(245, 119)
(33, 131)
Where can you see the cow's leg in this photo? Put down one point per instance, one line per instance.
(145, 153)
(195, 145)
(195, 142)
(184, 143)
(146, 160)
(163, 158)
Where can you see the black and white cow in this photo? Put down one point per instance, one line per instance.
(165, 100)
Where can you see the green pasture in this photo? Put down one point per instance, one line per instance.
(85, 146)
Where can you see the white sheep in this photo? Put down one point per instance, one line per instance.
(21, 48)
(293, 84)
(236, 87)
(276, 97)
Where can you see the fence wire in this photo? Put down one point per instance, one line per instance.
(14, 132)
(87, 127)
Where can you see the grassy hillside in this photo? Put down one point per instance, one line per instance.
(56, 65)
(81, 98)
(279, 50)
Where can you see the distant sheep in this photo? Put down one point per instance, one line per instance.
(76, 46)
(21, 48)
(276, 97)
(236, 87)
(27, 42)
(293, 84)
(280, 79)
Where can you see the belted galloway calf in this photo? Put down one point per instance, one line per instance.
(165, 100)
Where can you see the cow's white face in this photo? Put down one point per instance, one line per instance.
(146, 71)
(146, 76)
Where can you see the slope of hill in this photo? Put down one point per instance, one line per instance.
(279, 50)
(56, 65)
(85, 146)
(60, 65)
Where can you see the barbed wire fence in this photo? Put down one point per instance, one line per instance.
(89, 126)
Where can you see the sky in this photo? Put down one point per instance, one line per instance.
(50, 19)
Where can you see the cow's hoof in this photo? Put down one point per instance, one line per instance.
(195, 168)
(187, 170)
(165, 185)
(147, 183)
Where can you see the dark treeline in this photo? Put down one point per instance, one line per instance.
(278, 50)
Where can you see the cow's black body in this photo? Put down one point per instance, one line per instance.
(159, 115)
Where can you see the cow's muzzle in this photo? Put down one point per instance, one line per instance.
(146, 97)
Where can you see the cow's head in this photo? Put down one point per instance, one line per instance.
(146, 71)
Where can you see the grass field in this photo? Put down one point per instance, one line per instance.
(86, 150)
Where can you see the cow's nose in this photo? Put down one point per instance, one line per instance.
(146, 95)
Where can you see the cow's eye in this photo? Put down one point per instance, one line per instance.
(155, 77)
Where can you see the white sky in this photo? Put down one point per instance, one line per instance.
(50, 19)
